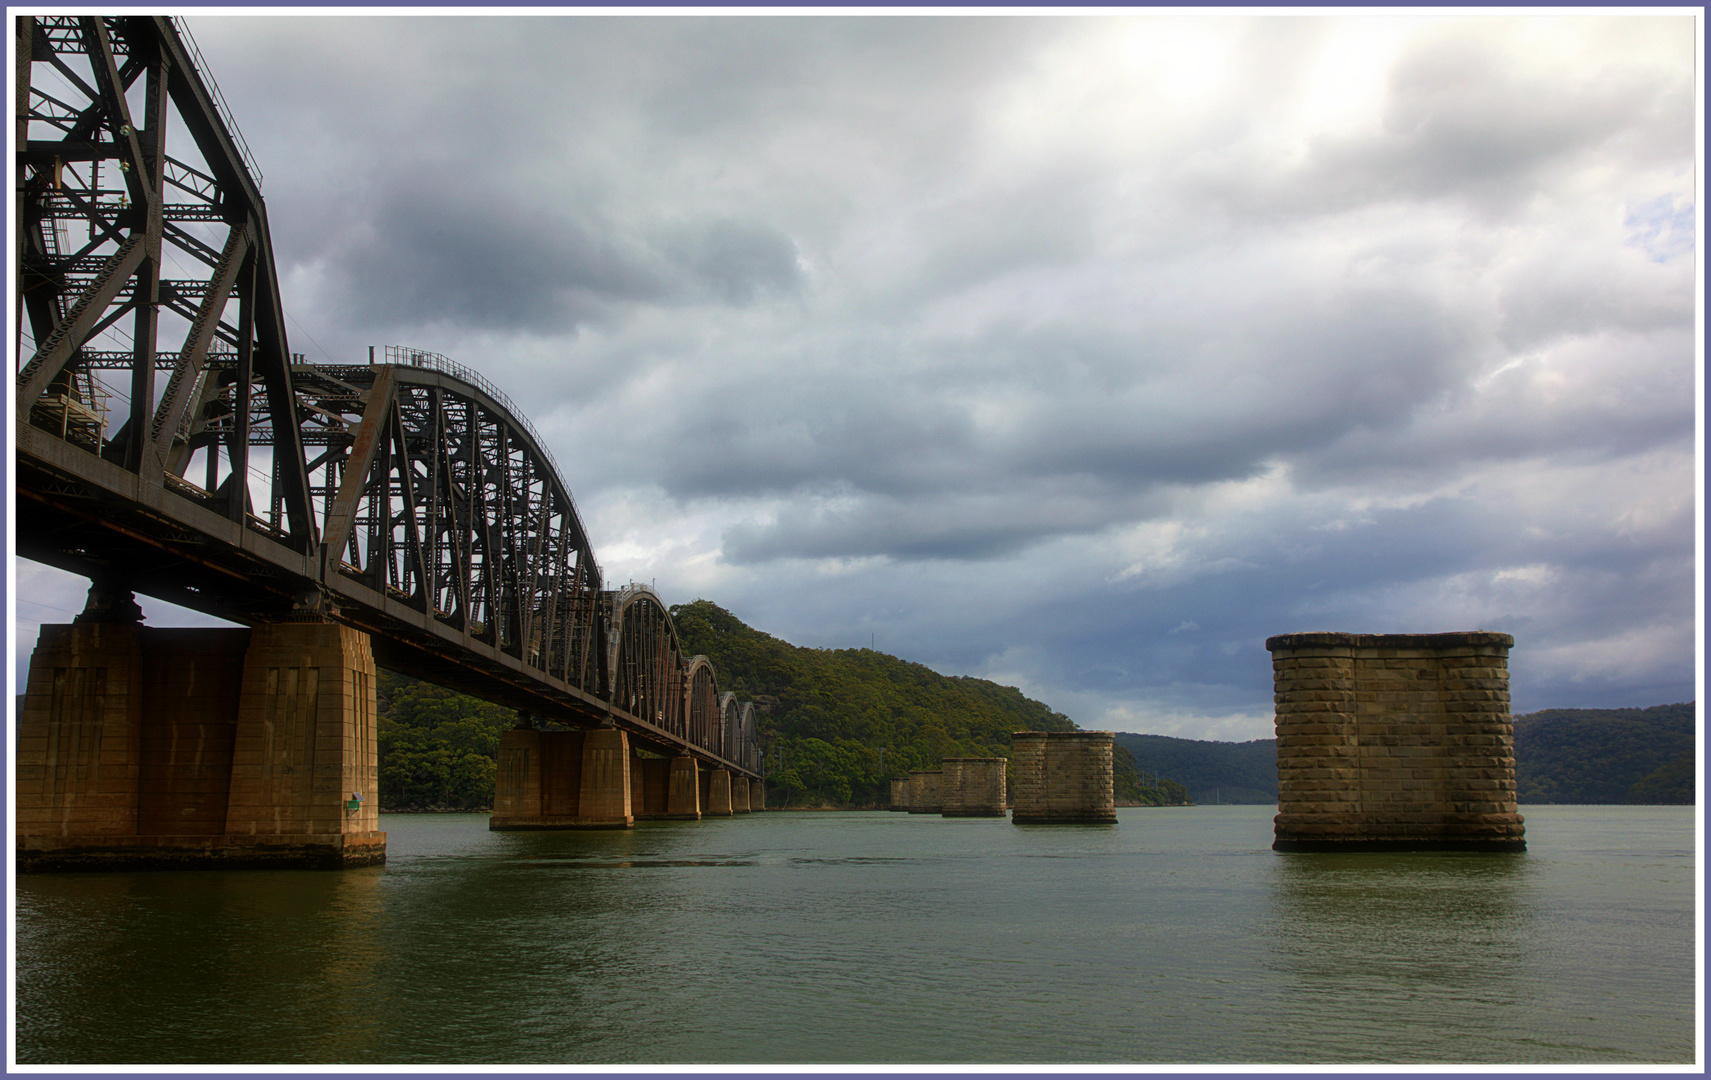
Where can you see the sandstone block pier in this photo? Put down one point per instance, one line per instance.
(924, 791)
(144, 747)
(563, 780)
(1394, 742)
(1064, 778)
(978, 787)
(950, 784)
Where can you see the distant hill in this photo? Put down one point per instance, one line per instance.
(1580, 756)
(831, 712)
(1243, 772)
(1606, 755)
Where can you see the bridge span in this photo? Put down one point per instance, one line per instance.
(400, 511)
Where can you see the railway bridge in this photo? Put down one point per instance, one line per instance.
(398, 510)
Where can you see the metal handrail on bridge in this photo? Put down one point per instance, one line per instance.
(408, 357)
(225, 110)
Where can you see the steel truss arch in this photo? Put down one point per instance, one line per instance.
(167, 439)
(701, 707)
(435, 493)
(645, 661)
(739, 739)
(746, 751)
(110, 258)
(728, 714)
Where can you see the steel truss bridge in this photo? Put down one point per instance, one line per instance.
(169, 442)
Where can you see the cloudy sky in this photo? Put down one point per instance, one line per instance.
(1078, 353)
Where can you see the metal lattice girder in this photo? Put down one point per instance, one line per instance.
(97, 234)
(167, 436)
(728, 714)
(645, 659)
(701, 708)
(432, 494)
(746, 752)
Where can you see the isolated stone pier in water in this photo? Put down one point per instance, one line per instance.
(1064, 778)
(1394, 742)
(924, 791)
(973, 787)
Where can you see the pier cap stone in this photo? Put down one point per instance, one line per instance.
(1320, 639)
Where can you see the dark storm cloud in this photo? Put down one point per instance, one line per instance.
(1090, 425)
(452, 196)
(1631, 417)
(448, 251)
(462, 252)
(720, 78)
(728, 444)
(945, 525)
(732, 261)
(1579, 290)
(1401, 572)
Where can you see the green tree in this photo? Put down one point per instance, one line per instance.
(846, 720)
(438, 749)
(1672, 782)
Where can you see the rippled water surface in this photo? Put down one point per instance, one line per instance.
(1175, 936)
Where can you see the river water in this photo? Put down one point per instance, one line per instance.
(1176, 936)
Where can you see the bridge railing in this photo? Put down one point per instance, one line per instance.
(408, 357)
(225, 110)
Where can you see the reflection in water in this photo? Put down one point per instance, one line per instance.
(1368, 934)
(157, 962)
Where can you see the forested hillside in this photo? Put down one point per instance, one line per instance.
(438, 750)
(830, 713)
(1606, 755)
(1244, 772)
(1561, 756)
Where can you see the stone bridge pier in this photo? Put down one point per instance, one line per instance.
(973, 787)
(1391, 742)
(1064, 778)
(596, 780)
(718, 793)
(563, 780)
(145, 746)
(924, 795)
